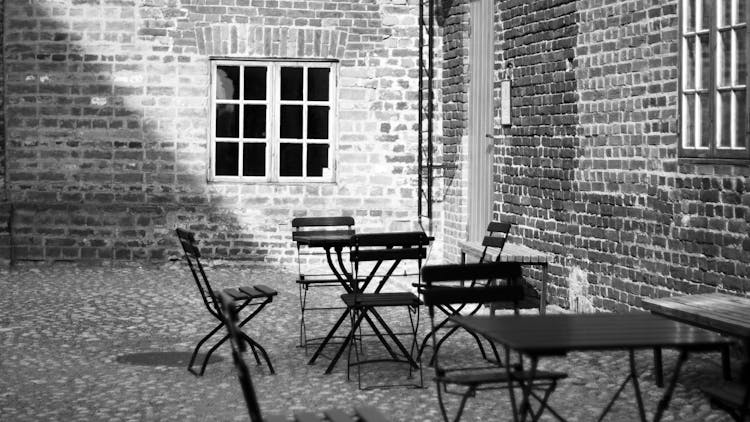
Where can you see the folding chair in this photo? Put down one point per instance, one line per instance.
(258, 296)
(362, 304)
(731, 397)
(228, 309)
(307, 226)
(462, 284)
(497, 235)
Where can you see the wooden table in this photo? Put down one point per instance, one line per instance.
(720, 312)
(513, 252)
(538, 336)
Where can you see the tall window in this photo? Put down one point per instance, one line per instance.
(714, 79)
(272, 121)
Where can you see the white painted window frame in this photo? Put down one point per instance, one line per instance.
(712, 148)
(273, 102)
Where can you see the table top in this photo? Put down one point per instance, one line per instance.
(561, 333)
(512, 252)
(721, 312)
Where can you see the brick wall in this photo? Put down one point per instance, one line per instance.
(107, 123)
(589, 171)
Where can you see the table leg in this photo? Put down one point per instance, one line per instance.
(664, 402)
(658, 368)
(632, 377)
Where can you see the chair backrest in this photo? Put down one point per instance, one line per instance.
(394, 247)
(497, 235)
(229, 314)
(315, 225)
(458, 284)
(192, 256)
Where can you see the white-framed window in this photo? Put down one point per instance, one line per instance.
(272, 120)
(714, 45)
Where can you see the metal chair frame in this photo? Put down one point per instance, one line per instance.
(246, 296)
(379, 248)
(305, 280)
(497, 235)
(444, 285)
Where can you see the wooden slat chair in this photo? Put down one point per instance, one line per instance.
(257, 296)
(457, 284)
(228, 308)
(392, 249)
(309, 278)
(497, 235)
(731, 397)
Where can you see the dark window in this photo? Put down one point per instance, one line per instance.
(272, 120)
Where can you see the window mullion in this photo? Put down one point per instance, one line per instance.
(274, 106)
(713, 92)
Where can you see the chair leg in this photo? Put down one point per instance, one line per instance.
(197, 348)
(255, 344)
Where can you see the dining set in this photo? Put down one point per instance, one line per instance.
(462, 297)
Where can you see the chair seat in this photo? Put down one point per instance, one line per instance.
(495, 375)
(381, 299)
(250, 292)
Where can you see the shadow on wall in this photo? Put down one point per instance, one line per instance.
(106, 140)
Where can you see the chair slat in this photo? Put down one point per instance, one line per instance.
(323, 221)
(452, 295)
(302, 233)
(495, 226)
(477, 271)
(494, 241)
(265, 290)
(391, 239)
(370, 414)
(388, 254)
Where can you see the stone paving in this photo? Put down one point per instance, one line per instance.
(71, 337)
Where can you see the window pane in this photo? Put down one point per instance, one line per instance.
(705, 125)
(689, 15)
(291, 83)
(704, 19)
(227, 121)
(255, 121)
(317, 122)
(705, 62)
(291, 159)
(317, 84)
(317, 159)
(724, 117)
(290, 122)
(741, 58)
(689, 121)
(742, 11)
(254, 159)
(255, 83)
(725, 12)
(227, 158)
(690, 60)
(741, 113)
(725, 58)
(227, 82)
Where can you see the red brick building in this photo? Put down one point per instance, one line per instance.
(625, 156)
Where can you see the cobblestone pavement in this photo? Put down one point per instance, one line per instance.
(71, 338)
